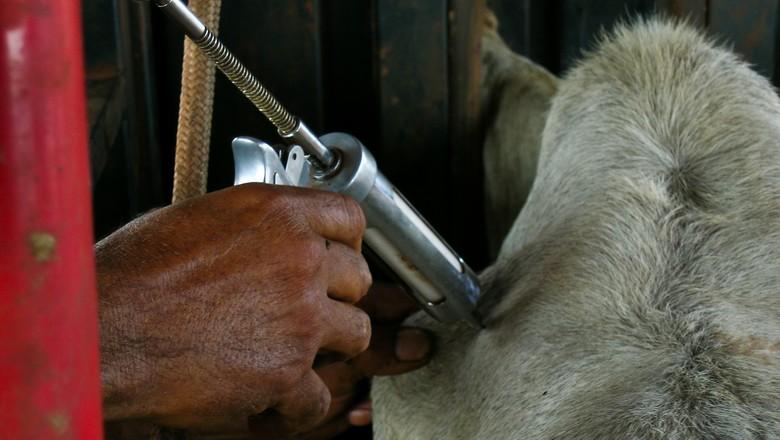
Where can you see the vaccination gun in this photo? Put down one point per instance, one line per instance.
(435, 275)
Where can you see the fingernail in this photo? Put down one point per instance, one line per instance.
(412, 345)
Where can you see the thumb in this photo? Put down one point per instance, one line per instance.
(394, 351)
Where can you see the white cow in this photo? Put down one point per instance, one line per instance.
(637, 294)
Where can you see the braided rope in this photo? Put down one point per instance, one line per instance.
(196, 104)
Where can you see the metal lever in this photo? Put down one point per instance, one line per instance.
(256, 161)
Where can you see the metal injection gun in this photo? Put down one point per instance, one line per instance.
(437, 277)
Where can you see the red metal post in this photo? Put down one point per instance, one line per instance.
(49, 370)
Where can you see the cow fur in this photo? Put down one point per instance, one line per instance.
(637, 294)
(516, 96)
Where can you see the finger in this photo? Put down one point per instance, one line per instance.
(346, 387)
(335, 217)
(345, 384)
(348, 329)
(348, 274)
(300, 410)
(361, 415)
(387, 303)
(393, 351)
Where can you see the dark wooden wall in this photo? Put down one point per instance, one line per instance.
(127, 171)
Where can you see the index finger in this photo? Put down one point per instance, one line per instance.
(335, 217)
(299, 411)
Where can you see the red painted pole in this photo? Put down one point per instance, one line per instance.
(49, 370)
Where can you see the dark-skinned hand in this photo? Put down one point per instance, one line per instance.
(393, 350)
(213, 310)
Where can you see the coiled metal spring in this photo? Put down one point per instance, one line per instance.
(247, 83)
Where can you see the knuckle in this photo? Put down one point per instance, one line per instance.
(362, 330)
(249, 189)
(314, 246)
(250, 194)
(319, 326)
(298, 366)
(314, 336)
(295, 365)
(354, 213)
(261, 204)
(365, 277)
(311, 252)
(287, 380)
(279, 203)
(310, 311)
(321, 405)
(314, 408)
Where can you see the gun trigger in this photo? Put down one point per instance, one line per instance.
(256, 161)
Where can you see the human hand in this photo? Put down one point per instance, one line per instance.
(393, 350)
(213, 310)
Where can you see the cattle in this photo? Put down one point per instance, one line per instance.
(637, 292)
